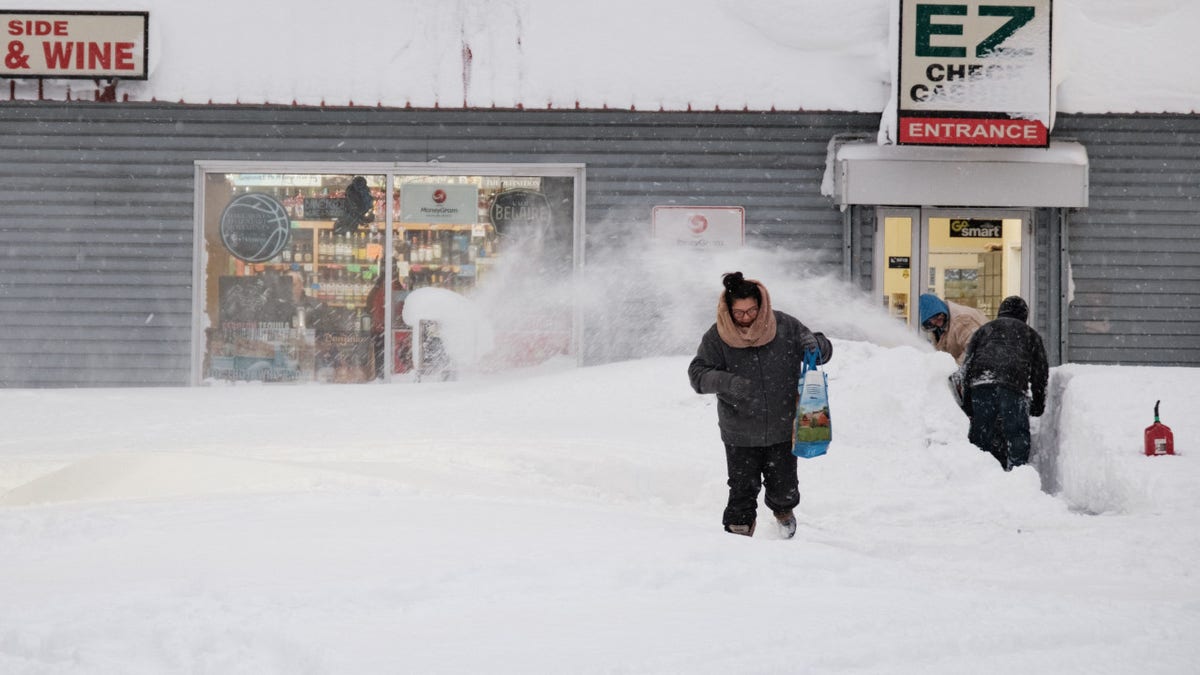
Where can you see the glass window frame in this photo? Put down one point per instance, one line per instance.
(391, 171)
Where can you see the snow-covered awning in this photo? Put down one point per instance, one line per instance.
(909, 175)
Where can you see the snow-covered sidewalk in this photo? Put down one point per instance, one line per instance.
(569, 521)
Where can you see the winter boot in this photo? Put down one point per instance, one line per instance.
(745, 530)
(787, 523)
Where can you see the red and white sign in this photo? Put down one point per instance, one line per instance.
(450, 203)
(700, 227)
(968, 131)
(75, 45)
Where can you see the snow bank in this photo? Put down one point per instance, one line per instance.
(461, 325)
(1093, 438)
(161, 475)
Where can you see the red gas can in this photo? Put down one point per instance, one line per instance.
(1159, 439)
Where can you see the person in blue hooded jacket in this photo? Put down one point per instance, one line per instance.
(950, 324)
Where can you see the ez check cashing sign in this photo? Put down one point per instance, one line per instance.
(975, 72)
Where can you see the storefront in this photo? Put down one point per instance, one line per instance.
(181, 229)
(972, 225)
(304, 271)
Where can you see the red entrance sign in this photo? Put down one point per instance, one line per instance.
(972, 131)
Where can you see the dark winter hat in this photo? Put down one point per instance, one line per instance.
(1013, 306)
(738, 287)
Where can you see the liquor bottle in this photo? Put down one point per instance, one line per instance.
(403, 250)
(323, 246)
(436, 246)
(339, 287)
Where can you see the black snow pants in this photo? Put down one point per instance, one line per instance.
(750, 468)
(1000, 424)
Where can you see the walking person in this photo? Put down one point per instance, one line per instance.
(1005, 359)
(950, 324)
(751, 359)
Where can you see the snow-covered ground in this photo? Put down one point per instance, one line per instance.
(567, 520)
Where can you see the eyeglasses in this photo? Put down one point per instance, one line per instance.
(744, 313)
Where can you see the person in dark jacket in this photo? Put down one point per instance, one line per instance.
(1004, 359)
(751, 359)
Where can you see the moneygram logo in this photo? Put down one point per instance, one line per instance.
(439, 196)
(698, 224)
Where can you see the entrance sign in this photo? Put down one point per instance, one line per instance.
(974, 73)
(702, 227)
(75, 45)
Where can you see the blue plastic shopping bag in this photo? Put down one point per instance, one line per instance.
(812, 431)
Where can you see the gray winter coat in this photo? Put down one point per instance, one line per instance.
(762, 415)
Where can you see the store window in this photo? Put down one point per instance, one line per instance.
(505, 242)
(355, 276)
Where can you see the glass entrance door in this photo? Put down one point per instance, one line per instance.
(972, 257)
(897, 240)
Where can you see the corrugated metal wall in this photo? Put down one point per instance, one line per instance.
(96, 212)
(96, 202)
(1135, 251)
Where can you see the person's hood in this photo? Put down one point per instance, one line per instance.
(930, 306)
(1013, 307)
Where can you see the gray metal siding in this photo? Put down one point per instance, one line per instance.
(96, 202)
(1135, 251)
(1043, 271)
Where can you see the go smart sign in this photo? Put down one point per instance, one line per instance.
(974, 73)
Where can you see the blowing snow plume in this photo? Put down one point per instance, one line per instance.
(639, 298)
